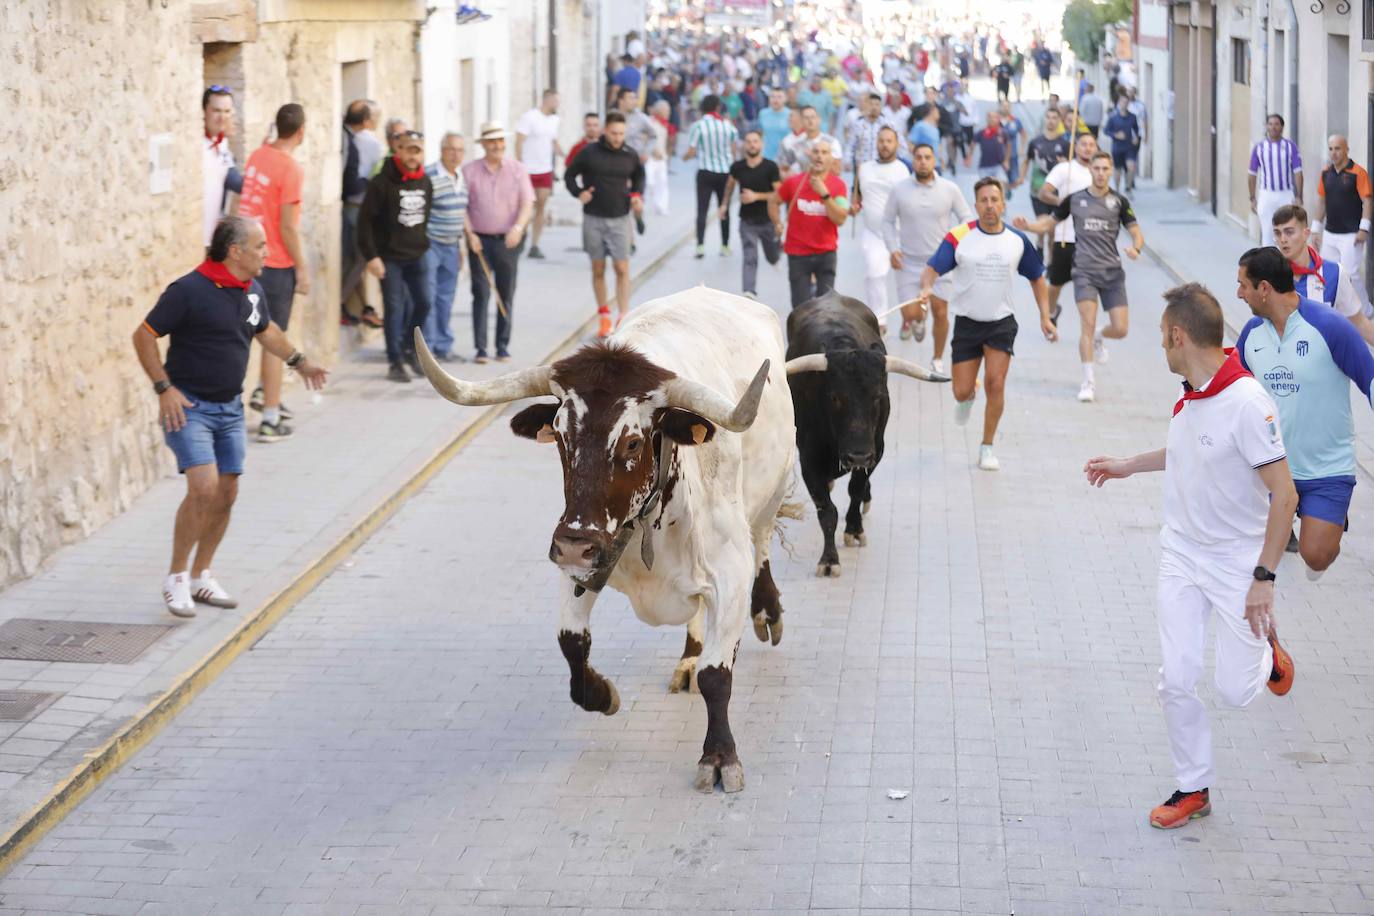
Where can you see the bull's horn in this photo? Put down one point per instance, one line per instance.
(701, 400)
(527, 383)
(906, 367)
(811, 362)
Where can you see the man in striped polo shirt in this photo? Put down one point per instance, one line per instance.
(447, 216)
(1275, 176)
(714, 139)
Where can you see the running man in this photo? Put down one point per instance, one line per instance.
(1064, 179)
(984, 257)
(713, 139)
(1228, 500)
(817, 206)
(1043, 153)
(1316, 279)
(1098, 215)
(1307, 356)
(757, 178)
(873, 184)
(923, 209)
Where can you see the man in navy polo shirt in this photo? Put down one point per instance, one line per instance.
(1306, 356)
(212, 314)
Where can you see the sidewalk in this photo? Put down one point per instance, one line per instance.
(1193, 245)
(305, 504)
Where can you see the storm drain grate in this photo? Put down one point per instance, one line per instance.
(76, 640)
(23, 705)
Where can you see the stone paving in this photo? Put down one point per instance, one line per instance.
(402, 742)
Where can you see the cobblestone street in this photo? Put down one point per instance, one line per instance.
(403, 743)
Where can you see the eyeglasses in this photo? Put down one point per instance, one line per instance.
(217, 89)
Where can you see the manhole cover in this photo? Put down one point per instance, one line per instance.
(76, 640)
(23, 705)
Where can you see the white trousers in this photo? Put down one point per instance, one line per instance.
(877, 265)
(1341, 248)
(656, 185)
(1266, 202)
(1191, 587)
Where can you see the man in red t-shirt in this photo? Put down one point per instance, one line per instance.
(817, 206)
(591, 132)
(272, 181)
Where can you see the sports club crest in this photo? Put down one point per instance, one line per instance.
(1273, 428)
(256, 315)
(1302, 348)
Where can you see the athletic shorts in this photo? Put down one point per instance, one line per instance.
(214, 434)
(606, 237)
(1123, 153)
(1108, 289)
(542, 180)
(970, 337)
(1061, 264)
(279, 283)
(1039, 207)
(1325, 498)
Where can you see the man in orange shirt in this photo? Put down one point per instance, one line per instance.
(272, 183)
(1345, 205)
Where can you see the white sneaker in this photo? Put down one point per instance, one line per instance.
(987, 461)
(207, 591)
(1100, 354)
(906, 330)
(176, 594)
(962, 409)
(1313, 574)
(1086, 393)
(918, 329)
(937, 365)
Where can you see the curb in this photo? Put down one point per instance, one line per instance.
(104, 760)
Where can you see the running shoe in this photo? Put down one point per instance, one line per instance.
(1282, 674)
(906, 330)
(481, 358)
(371, 318)
(412, 360)
(700, 252)
(603, 315)
(962, 409)
(1087, 393)
(255, 401)
(397, 373)
(176, 594)
(207, 591)
(535, 253)
(1292, 543)
(937, 366)
(1100, 354)
(987, 461)
(725, 251)
(1181, 808)
(274, 432)
(1055, 311)
(918, 330)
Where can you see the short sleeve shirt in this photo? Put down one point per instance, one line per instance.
(985, 267)
(1068, 178)
(809, 228)
(1097, 221)
(1045, 153)
(760, 178)
(540, 132)
(1342, 192)
(212, 329)
(272, 179)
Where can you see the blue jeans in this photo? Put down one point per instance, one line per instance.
(442, 264)
(214, 434)
(404, 315)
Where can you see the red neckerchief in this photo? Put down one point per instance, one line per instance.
(1316, 268)
(1231, 371)
(215, 141)
(217, 273)
(991, 131)
(714, 114)
(666, 125)
(408, 176)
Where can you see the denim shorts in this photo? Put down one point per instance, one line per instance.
(214, 434)
(1325, 498)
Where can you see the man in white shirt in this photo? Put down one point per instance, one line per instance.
(536, 146)
(1064, 179)
(1228, 507)
(217, 104)
(873, 185)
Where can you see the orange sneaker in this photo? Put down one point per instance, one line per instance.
(1281, 677)
(604, 314)
(1181, 808)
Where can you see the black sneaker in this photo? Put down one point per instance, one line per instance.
(412, 362)
(535, 253)
(481, 357)
(397, 373)
(274, 432)
(502, 355)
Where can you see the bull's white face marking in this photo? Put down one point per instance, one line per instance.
(634, 422)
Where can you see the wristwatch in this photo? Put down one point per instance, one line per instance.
(1264, 575)
(295, 359)
(161, 386)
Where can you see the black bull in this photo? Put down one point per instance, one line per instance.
(837, 368)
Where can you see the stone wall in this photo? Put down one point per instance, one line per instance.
(87, 247)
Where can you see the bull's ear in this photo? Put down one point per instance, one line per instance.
(535, 422)
(685, 427)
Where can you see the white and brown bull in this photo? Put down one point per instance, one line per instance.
(676, 443)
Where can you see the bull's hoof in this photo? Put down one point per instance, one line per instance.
(614, 706)
(732, 777)
(684, 678)
(858, 539)
(706, 778)
(762, 629)
(826, 570)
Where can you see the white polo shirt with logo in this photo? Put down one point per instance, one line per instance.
(1214, 497)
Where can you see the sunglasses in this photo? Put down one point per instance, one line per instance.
(406, 134)
(217, 89)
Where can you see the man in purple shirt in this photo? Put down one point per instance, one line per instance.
(500, 201)
(1275, 176)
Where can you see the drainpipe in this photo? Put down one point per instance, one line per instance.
(1291, 67)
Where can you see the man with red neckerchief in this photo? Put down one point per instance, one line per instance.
(1229, 500)
(1316, 278)
(218, 174)
(212, 315)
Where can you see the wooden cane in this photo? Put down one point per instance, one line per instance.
(491, 282)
